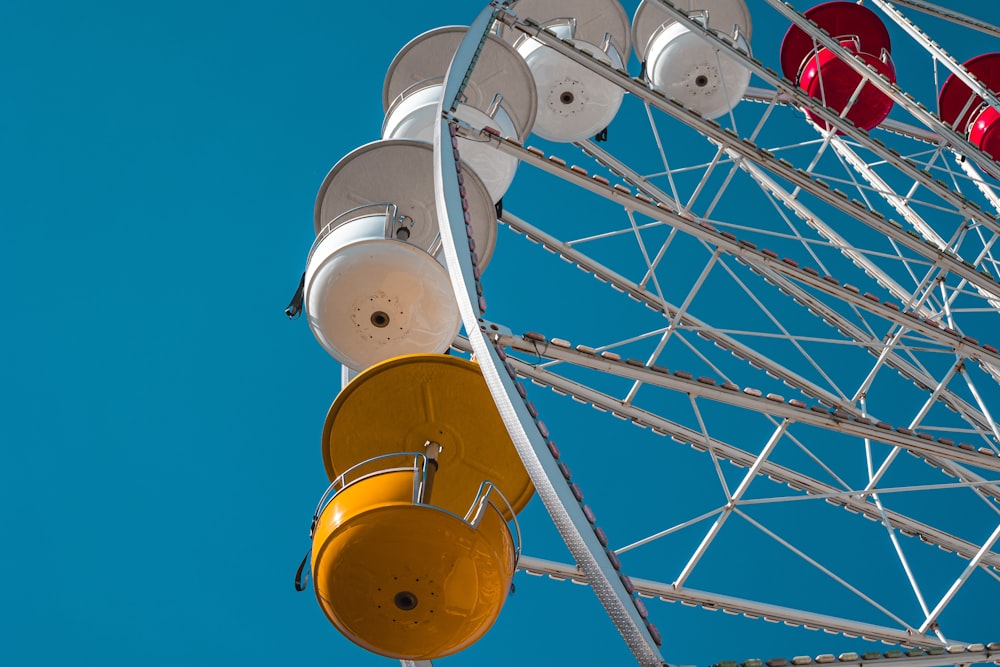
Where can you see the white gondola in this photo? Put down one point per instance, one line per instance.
(373, 287)
(682, 65)
(500, 94)
(573, 102)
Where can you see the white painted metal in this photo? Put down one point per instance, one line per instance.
(687, 68)
(413, 117)
(922, 307)
(854, 500)
(500, 94)
(398, 171)
(368, 298)
(573, 102)
(671, 593)
(789, 91)
(566, 513)
(424, 61)
(951, 15)
(735, 248)
(726, 16)
(939, 54)
(870, 77)
(924, 287)
(593, 20)
(801, 179)
(683, 67)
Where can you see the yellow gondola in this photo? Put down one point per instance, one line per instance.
(404, 402)
(404, 578)
(412, 556)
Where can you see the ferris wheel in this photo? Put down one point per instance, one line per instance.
(767, 267)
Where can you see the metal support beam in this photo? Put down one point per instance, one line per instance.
(751, 608)
(565, 511)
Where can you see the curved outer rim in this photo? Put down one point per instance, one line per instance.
(428, 56)
(650, 16)
(553, 489)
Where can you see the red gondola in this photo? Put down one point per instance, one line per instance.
(829, 79)
(969, 113)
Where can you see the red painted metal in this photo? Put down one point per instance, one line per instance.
(840, 20)
(968, 113)
(829, 79)
(825, 77)
(985, 132)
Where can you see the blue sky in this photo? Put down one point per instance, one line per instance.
(160, 432)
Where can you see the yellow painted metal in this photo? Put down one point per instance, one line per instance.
(400, 404)
(409, 581)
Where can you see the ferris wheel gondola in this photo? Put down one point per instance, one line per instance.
(816, 272)
(967, 112)
(573, 103)
(686, 68)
